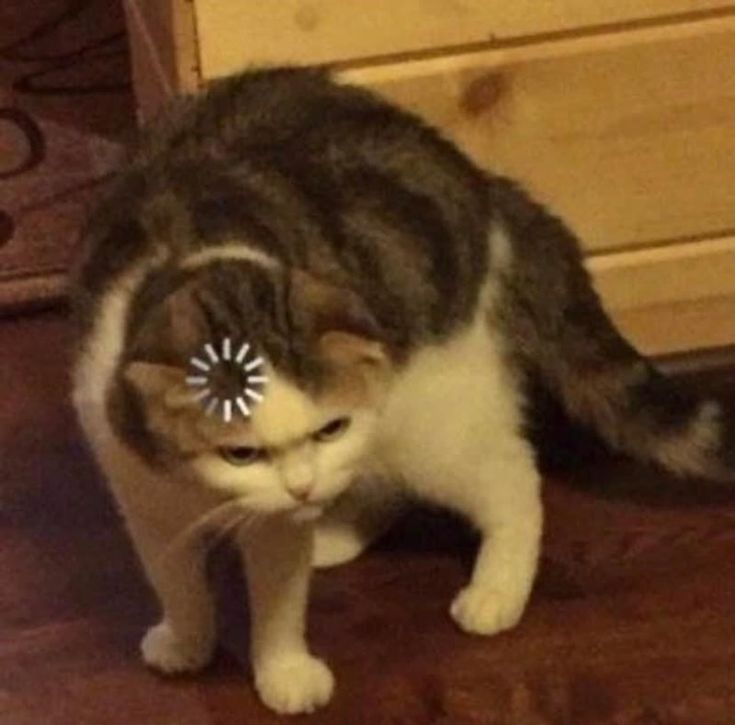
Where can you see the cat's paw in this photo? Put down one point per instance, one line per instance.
(336, 544)
(294, 684)
(164, 651)
(485, 611)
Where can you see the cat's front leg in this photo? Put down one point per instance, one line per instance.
(506, 508)
(288, 678)
(184, 639)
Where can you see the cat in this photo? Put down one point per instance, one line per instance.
(399, 305)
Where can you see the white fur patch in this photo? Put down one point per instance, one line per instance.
(693, 450)
(233, 250)
(103, 347)
(132, 481)
(452, 430)
(165, 652)
(453, 403)
(295, 683)
(501, 251)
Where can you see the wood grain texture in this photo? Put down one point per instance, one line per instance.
(684, 271)
(625, 136)
(235, 34)
(672, 298)
(630, 621)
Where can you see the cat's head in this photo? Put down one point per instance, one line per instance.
(297, 439)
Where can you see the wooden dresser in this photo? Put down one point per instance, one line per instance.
(619, 114)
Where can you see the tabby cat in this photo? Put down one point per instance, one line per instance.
(399, 305)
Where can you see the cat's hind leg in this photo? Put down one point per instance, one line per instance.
(454, 433)
(488, 474)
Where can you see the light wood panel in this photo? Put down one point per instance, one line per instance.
(680, 327)
(685, 271)
(235, 33)
(674, 298)
(627, 136)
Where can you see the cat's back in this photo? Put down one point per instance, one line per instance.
(318, 175)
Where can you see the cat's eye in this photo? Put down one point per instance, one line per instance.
(332, 430)
(242, 455)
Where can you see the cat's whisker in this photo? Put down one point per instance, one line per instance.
(247, 522)
(199, 526)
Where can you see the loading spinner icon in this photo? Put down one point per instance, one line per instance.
(199, 380)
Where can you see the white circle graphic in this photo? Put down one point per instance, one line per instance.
(199, 380)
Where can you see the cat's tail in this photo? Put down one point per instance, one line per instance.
(566, 340)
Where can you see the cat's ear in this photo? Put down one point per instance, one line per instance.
(321, 308)
(346, 349)
(165, 384)
(359, 365)
(341, 324)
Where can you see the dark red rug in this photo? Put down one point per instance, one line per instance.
(66, 108)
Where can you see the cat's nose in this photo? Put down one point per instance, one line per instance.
(300, 489)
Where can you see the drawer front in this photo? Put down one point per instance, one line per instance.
(673, 298)
(236, 33)
(629, 137)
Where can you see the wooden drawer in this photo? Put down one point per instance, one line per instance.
(235, 33)
(671, 298)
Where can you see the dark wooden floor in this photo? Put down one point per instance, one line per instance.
(632, 619)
